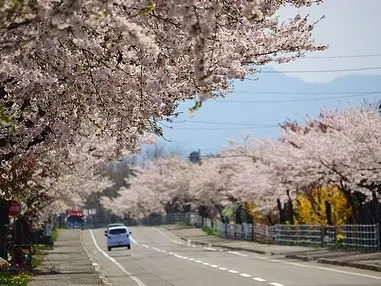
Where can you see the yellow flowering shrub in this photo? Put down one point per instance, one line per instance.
(310, 208)
(14, 279)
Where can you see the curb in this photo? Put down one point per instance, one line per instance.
(336, 262)
(299, 257)
(97, 269)
(289, 256)
(234, 248)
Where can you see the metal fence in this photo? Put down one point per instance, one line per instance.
(366, 237)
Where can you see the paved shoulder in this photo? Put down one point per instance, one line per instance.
(67, 264)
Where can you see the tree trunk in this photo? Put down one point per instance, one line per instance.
(351, 203)
(289, 209)
(3, 241)
(4, 220)
(282, 217)
(328, 212)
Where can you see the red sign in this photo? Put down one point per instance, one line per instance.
(75, 213)
(14, 208)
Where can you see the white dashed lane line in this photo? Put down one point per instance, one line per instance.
(232, 271)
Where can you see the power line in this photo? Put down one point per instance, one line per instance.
(324, 71)
(228, 128)
(310, 93)
(218, 156)
(231, 123)
(342, 57)
(292, 100)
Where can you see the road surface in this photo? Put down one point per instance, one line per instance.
(158, 258)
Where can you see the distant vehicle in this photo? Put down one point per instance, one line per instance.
(75, 219)
(114, 224)
(118, 236)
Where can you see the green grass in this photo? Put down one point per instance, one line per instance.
(36, 261)
(54, 234)
(12, 279)
(39, 250)
(210, 231)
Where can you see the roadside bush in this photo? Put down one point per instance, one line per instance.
(340, 240)
(210, 231)
(11, 278)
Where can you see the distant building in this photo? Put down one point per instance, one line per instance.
(378, 106)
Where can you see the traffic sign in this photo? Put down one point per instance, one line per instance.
(14, 208)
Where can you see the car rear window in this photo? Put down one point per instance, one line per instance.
(118, 231)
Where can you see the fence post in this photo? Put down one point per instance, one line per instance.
(322, 236)
(378, 236)
(226, 227)
(252, 231)
(276, 234)
(335, 237)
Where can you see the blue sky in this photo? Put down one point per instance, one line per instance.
(248, 110)
(348, 28)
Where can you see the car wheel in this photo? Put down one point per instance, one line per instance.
(109, 248)
(129, 246)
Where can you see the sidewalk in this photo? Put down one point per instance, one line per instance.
(67, 264)
(363, 260)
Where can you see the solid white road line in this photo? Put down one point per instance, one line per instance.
(165, 235)
(137, 280)
(210, 248)
(275, 284)
(319, 267)
(133, 240)
(237, 253)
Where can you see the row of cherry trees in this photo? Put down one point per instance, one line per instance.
(341, 149)
(82, 81)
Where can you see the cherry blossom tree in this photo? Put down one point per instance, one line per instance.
(338, 148)
(58, 180)
(121, 66)
(213, 182)
(113, 69)
(253, 182)
(160, 185)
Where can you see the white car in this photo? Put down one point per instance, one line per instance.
(112, 225)
(118, 236)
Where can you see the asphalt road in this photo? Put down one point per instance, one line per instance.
(158, 258)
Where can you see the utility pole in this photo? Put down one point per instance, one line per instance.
(4, 221)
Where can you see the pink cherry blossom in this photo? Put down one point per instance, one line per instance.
(85, 80)
(338, 148)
